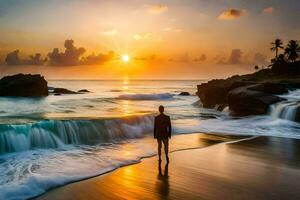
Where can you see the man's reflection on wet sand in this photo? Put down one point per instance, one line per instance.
(162, 183)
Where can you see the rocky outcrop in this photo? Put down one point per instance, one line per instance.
(271, 88)
(249, 93)
(60, 91)
(63, 91)
(26, 85)
(184, 94)
(246, 101)
(243, 97)
(83, 91)
(215, 92)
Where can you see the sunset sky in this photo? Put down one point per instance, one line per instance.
(175, 39)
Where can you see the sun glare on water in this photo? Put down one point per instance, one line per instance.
(125, 58)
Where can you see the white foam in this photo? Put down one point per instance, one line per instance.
(31, 173)
(255, 125)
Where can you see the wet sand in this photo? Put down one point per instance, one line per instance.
(260, 168)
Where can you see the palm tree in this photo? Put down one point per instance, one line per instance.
(276, 45)
(292, 50)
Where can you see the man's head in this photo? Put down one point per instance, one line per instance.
(161, 109)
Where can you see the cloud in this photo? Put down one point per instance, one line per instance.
(13, 58)
(98, 59)
(170, 29)
(141, 36)
(111, 32)
(185, 57)
(235, 56)
(222, 60)
(70, 57)
(146, 36)
(35, 60)
(146, 58)
(158, 9)
(259, 59)
(201, 58)
(231, 14)
(268, 10)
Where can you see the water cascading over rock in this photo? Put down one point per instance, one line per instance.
(289, 110)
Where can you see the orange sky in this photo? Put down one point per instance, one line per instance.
(165, 39)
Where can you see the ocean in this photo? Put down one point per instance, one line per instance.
(51, 141)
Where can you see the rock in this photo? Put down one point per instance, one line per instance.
(292, 83)
(27, 85)
(184, 94)
(211, 95)
(221, 107)
(215, 92)
(244, 101)
(115, 90)
(59, 91)
(272, 88)
(83, 91)
(63, 91)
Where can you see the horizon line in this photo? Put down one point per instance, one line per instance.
(128, 79)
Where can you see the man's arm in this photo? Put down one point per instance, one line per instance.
(169, 128)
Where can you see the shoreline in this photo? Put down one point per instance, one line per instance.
(107, 181)
(180, 142)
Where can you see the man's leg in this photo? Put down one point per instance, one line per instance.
(159, 149)
(166, 145)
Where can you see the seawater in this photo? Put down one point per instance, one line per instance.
(50, 141)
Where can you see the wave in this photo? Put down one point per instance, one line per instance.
(28, 174)
(286, 110)
(58, 133)
(161, 96)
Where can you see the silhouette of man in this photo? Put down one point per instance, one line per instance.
(162, 132)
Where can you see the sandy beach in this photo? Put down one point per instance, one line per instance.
(259, 168)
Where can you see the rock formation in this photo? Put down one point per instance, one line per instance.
(26, 85)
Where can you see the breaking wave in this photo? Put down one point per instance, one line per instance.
(57, 133)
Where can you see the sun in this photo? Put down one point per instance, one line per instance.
(125, 58)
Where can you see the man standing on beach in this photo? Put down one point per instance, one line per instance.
(162, 132)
